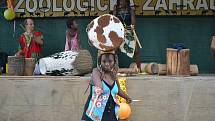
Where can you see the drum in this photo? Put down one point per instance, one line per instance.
(151, 68)
(16, 65)
(83, 63)
(161, 69)
(106, 32)
(194, 71)
(142, 66)
(29, 66)
(178, 62)
(58, 63)
(134, 66)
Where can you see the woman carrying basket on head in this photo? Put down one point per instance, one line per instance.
(102, 104)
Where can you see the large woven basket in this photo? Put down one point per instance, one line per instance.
(16, 65)
(29, 66)
(83, 63)
(106, 32)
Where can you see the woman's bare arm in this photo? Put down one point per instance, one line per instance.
(96, 77)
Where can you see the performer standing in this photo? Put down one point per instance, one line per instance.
(30, 41)
(124, 10)
(102, 104)
(72, 39)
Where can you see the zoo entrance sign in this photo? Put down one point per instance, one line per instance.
(57, 8)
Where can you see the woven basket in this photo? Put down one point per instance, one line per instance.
(29, 66)
(16, 65)
(106, 32)
(83, 63)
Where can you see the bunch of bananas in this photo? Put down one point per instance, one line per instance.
(122, 83)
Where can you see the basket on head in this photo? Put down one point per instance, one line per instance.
(106, 32)
(83, 63)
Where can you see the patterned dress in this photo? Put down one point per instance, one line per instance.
(106, 108)
(29, 47)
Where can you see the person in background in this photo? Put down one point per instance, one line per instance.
(213, 46)
(72, 38)
(102, 104)
(125, 11)
(30, 41)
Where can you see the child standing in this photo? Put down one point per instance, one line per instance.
(72, 39)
